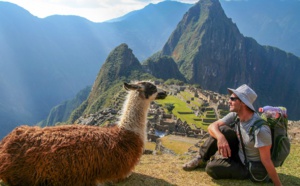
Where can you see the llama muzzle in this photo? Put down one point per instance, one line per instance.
(161, 94)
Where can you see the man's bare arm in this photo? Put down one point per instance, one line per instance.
(265, 157)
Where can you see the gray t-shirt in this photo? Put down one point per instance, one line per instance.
(262, 136)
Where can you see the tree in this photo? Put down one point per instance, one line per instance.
(169, 107)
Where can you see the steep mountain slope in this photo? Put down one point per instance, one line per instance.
(210, 51)
(62, 112)
(163, 67)
(274, 23)
(120, 66)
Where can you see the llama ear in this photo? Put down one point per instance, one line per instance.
(128, 86)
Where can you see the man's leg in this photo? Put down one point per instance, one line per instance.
(229, 168)
(209, 148)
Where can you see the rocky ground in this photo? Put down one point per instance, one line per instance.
(294, 131)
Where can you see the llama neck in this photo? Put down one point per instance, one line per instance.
(134, 114)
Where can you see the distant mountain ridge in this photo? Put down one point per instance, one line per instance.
(63, 111)
(267, 21)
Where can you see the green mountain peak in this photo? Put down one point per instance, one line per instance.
(120, 66)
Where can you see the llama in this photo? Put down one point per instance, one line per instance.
(78, 154)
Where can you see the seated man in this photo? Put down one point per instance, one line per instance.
(226, 140)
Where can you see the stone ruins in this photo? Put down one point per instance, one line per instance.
(159, 124)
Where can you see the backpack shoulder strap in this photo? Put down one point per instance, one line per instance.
(236, 121)
(242, 143)
(257, 124)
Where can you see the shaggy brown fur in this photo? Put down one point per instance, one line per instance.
(76, 154)
(27, 158)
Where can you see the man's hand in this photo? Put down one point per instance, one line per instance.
(223, 147)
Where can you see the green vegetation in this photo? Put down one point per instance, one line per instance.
(174, 82)
(182, 111)
(180, 106)
(185, 104)
(169, 107)
(104, 99)
(77, 112)
(223, 113)
(186, 95)
(194, 102)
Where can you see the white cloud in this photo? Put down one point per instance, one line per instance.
(94, 10)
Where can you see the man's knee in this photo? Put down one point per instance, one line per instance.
(211, 170)
(228, 132)
(217, 169)
(226, 169)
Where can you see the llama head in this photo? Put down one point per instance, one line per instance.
(146, 90)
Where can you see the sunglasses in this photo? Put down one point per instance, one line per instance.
(233, 98)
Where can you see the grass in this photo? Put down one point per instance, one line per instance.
(178, 144)
(196, 103)
(165, 170)
(150, 145)
(181, 106)
(188, 97)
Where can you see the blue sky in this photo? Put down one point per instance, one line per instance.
(94, 10)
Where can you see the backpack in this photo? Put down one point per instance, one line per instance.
(280, 142)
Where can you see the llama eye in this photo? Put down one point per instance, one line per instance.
(153, 89)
